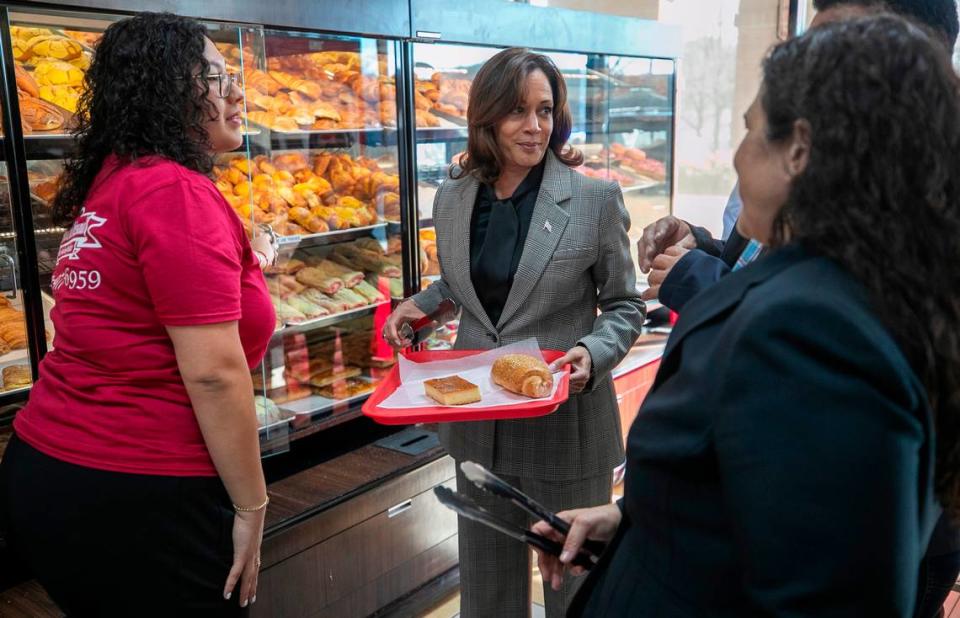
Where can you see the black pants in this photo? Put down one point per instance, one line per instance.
(112, 544)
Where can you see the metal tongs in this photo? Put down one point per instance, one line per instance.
(465, 507)
(486, 480)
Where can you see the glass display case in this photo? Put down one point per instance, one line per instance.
(623, 121)
(346, 139)
(318, 164)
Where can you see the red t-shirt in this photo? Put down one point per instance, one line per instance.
(156, 245)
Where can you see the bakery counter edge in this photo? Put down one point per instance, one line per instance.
(321, 487)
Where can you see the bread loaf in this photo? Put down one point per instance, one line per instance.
(523, 375)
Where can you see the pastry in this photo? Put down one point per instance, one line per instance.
(331, 375)
(50, 72)
(315, 277)
(523, 375)
(343, 389)
(350, 298)
(452, 391)
(54, 46)
(64, 96)
(40, 115)
(25, 81)
(306, 307)
(17, 376)
(369, 292)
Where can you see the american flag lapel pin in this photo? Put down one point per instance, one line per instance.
(547, 227)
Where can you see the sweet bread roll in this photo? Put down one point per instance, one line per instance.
(522, 374)
(16, 376)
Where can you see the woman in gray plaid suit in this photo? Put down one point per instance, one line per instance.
(530, 248)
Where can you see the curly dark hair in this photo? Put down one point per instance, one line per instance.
(881, 191)
(495, 92)
(141, 99)
(940, 15)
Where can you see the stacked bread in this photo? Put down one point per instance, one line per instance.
(297, 195)
(13, 327)
(56, 62)
(16, 376)
(449, 96)
(637, 161)
(315, 284)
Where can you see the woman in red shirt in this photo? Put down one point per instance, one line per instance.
(133, 486)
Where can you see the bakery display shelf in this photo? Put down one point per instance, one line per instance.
(43, 231)
(436, 135)
(330, 138)
(317, 404)
(644, 184)
(330, 238)
(312, 425)
(329, 320)
(50, 146)
(276, 424)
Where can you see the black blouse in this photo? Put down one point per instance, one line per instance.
(494, 257)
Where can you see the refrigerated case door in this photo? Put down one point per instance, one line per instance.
(322, 170)
(15, 367)
(52, 79)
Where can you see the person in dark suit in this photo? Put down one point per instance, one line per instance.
(801, 438)
(530, 248)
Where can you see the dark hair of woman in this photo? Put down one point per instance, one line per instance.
(941, 15)
(881, 190)
(142, 98)
(496, 91)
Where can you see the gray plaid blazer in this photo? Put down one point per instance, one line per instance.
(576, 259)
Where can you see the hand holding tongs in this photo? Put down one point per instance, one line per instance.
(587, 556)
(488, 481)
(467, 508)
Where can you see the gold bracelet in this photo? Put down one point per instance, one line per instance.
(252, 509)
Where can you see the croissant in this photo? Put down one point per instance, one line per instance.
(262, 81)
(522, 374)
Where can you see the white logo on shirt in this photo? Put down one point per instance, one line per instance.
(80, 236)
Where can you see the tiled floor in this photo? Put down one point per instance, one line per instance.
(450, 607)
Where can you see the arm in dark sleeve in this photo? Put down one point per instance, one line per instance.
(822, 462)
(706, 242)
(694, 272)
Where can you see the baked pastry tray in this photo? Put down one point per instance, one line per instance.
(453, 414)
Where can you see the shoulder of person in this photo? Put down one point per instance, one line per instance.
(817, 297)
(586, 187)
(158, 177)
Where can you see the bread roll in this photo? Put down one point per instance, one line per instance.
(523, 374)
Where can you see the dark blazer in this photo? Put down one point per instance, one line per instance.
(783, 462)
(700, 268)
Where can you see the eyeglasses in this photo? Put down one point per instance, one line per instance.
(225, 83)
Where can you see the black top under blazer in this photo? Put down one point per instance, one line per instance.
(783, 462)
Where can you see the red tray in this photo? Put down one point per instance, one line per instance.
(449, 414)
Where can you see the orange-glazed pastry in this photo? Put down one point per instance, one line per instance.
(523, 375)
(452, 391)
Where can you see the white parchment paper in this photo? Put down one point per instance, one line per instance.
(475, 369)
